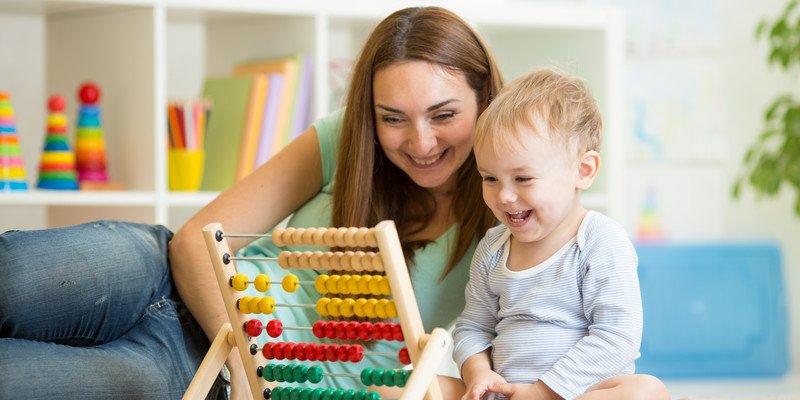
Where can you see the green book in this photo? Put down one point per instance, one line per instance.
(230, 97)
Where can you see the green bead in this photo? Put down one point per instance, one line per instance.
(288, 375)
(376, 376)
(295, 393)
(268, 373)
(388, 377)
(400, 378)
(337, 394)
(373, 396)
(327, 394)
(366, 376)
(360, 395)
(406, 375)
(349, 395)
(276, 393)
(316, 394)
(300, 373)
(305, 394)
(314, 374)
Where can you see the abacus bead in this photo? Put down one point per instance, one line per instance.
(397, 333)
(288, 351)
(374, 285)
(308, 236)
(253, 304)
(300, 373)
(341, 352)
(320, 284)
(360, 395)
(330, 352)
(339, 330)
(346, 309)
(283, 259)
(253, 327)
(400, 379)
(321, 352)
(290, 283)
(384, 287)
(377, 262)
(317, 237)
(358, 308)
(267, 350)
(364, 331)
(403, 356)
(351, 329)
(406, 375)
(377, 330)
(335, 260)
(366, 376)
(295, 393)
(376, 376)
(266, 305)
(341, 285)
(288, 236)
(322, 306)
(277, 351)
(329, 237)
(303, 260)
(326, 394)
(294, 260)
(268, 373)
(363, 284)
(261, 282)
(345, 261)
(352, 284)
(297, 236)
(318, 329)
(387, 332)
(311, 352)
(380, 308)
(288, 376)
(388, 378)
(306, 394)
(274, 328)
(349, 395)
(332, 284)
(355, 353)
(361, 237)
(300, 351)
(277, 237)
(314, 260)
(369, 308)
(244, 304)
(391, 309)
(350, 237)
(338, 394)
(373, 396)
(315, 374)
(239, 282)
(340, 237)
(334, 307)
(356, 261)
(330, 330)
(316, 394)
(277, 373)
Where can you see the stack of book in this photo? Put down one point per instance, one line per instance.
(258, 109)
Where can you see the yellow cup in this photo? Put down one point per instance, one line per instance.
(185, 169)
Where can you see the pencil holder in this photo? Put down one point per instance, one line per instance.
(185, 169)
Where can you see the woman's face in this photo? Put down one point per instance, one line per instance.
(425, 119)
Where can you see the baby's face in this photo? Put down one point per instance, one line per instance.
(530, 186)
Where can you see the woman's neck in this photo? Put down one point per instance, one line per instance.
(443, 217)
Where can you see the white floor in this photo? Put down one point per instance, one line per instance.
(786, 388)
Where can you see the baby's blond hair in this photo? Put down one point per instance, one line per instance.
(547, 102)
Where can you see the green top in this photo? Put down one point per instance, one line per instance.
(440, 301)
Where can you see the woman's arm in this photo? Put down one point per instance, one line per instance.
(255, 204)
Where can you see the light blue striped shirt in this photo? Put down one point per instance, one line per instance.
(571, 321)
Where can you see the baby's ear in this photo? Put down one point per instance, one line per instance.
(587, 169)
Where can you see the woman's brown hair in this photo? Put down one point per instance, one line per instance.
(369, 187)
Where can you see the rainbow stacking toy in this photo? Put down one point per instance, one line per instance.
(90, 145)
(57, 165)
(12, 170)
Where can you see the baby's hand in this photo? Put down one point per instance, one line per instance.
(477, 388)
(524, 391)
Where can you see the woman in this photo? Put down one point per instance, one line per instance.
(404, 153)
(401, 150)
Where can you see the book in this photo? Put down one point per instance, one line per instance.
(230, 97)
(302, 108)
(268, 124)
(288, 67)
(252, 128)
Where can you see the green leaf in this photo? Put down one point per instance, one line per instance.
(737, 189)
(778, 103)
(761, 28)
(791, 122)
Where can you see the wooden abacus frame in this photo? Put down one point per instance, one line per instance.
(425, 350)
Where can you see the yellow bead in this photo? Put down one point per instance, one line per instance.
(369, 308)
(322, 306)
(363, 284)
(254, 305)
(320, 284)
(346, 309)
(334, 307)
(380, 308)
(341, 285)
(358, 308)
(352, 284)
(239, 282)
(290, 283)
(391, 310)
(266, 305)
(333, 284)
(261, 283)
(374, 285)
(244, 304)
(384, 287)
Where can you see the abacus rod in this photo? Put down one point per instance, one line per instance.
(246, 235)
(254, 258)
(295, 305)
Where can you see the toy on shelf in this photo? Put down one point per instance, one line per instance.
(364, 284)
(12, 169)
(90, 143)
(57, 164)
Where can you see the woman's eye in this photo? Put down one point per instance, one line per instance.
(388, 119)
(489, 179)
(444, 116)
(523, 178)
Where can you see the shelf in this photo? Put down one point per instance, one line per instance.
(78, 198)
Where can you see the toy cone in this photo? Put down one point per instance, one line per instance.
(12, 169)
(90, 144)
(57, 165)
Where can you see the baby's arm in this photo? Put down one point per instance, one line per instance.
(478, 375)
(525, 391)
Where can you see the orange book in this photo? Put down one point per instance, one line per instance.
(252, 127)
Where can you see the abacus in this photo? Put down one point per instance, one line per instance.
(377, 273)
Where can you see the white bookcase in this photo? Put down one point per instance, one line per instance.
(144, 52)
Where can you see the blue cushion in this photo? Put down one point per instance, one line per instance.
(712, 311)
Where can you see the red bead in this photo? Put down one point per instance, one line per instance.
(330, 352)
(403, 356)
(319, 329)
(377, 331)
(56, 103)
(300, 351)
(89, 93)
(387, 332)
(311, 352)
(330, 330)
(351, 330)
(355, 353)
(253, 327)
(341, 352)
(340, 330)
(397, 333)
(267, 350)
(288, 351)
(277, 351)
(274, 328)
(365, 331)
(321, 353)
